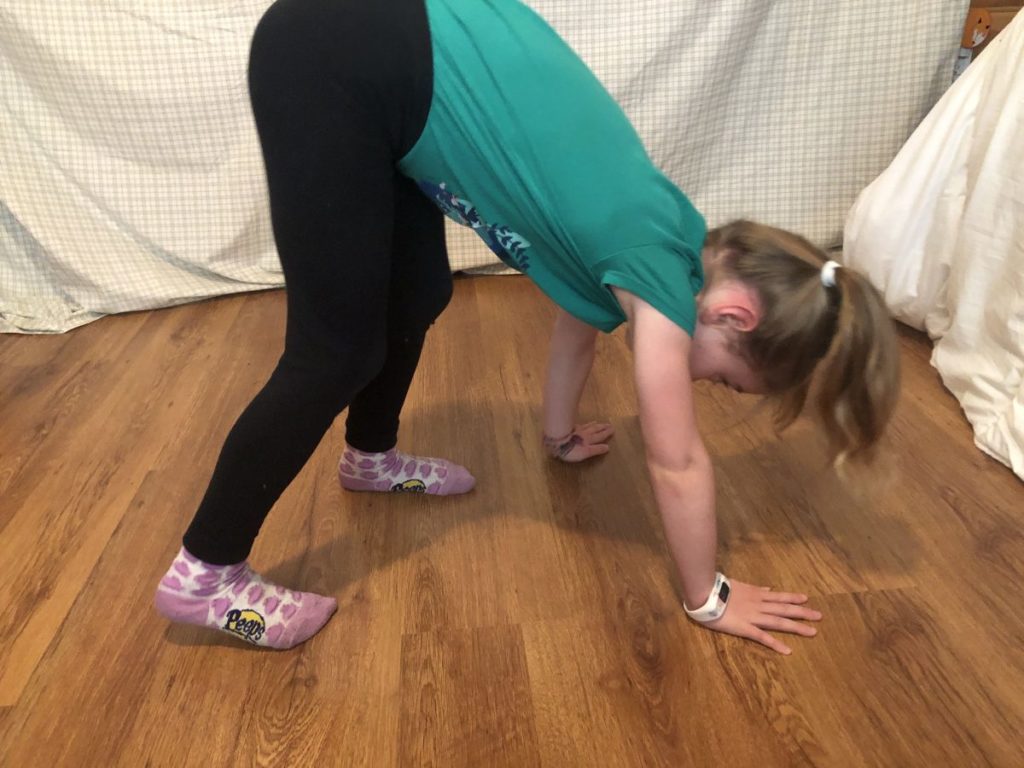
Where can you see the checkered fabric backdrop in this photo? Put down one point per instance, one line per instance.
(130, 174)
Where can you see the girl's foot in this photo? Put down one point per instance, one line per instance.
(394, 471)
(234, 599)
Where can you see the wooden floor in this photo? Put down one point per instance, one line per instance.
(531, 622)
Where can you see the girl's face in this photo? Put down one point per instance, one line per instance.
(713, 357)
(725, 310)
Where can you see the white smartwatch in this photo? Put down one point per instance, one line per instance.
(714, 607)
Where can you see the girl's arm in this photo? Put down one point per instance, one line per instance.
(683, 481)
(678, 464)
(570, 360)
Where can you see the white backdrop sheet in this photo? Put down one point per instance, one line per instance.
(130, 175)
(941, 232)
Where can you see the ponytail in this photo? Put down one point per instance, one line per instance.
(859, 380)
(834, 344)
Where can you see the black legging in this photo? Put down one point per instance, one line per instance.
(340, 91)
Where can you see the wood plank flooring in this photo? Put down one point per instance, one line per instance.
(533, 622)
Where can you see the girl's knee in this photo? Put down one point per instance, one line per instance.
(415, 317)
(333, 375)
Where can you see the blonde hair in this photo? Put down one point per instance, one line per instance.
(837, 342)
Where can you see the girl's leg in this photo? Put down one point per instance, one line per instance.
(335, 106)
(421, 286)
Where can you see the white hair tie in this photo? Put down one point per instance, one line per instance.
(828, 273)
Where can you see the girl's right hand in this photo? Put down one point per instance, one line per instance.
(751, 611)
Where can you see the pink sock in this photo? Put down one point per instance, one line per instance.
(234, 599)
(394, 471)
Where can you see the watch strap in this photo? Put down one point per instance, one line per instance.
(714, 606)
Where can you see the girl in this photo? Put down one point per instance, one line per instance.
(372, 117)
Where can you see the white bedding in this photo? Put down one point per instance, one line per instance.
(130, 174)
(941, 231)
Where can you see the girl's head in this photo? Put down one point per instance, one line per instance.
(768, 323)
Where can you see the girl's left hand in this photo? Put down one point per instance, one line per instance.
(752, 612)
(584, 442)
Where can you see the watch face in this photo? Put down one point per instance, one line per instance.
(723, 593)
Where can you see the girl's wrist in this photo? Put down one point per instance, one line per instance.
(559, 447)
(715, 603)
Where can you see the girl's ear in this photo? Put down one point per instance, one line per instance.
(734, 305)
